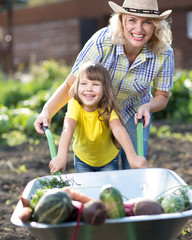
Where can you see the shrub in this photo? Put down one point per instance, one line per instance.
(179, 107)
(23, 97)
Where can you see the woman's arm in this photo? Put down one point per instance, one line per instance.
(60, 161)
(158, 103)
(122, 136)
(54, 104)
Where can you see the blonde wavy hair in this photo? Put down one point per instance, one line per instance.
(160, 40)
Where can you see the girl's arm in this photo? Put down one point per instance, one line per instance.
(60, 161)
(158, 103)
(59, 98)
(122, 136)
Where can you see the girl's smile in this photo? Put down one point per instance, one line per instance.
(90, 93)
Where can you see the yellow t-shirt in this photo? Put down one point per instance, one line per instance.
(93, 138)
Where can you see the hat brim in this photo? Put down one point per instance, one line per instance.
(118, 9)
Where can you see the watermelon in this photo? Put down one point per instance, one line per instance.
(172, 204)
(54, 207)
(113, 201)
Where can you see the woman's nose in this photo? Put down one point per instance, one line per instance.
(139, 26)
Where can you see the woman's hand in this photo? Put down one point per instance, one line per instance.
(41, 119)
(143, 112)
(59, 99)
(158, 103)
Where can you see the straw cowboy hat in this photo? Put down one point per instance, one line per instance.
(142, 8)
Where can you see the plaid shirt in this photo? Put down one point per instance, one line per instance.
(132, 85)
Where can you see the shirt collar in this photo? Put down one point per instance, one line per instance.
(120, 50)
(145, 53)
(142, 57)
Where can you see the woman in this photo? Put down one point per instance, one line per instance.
(135, 49)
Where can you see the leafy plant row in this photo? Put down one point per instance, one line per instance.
(179, 108)
(23, 97)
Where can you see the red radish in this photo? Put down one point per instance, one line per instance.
(129, 205)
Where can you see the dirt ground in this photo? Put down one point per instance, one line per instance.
(163, 153)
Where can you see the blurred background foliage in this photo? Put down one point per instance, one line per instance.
(32, 3)
(179, 108)
(23, 96)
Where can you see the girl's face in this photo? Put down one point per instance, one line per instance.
(138, 30)
(90, 92)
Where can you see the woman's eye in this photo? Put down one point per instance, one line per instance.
(148, 21)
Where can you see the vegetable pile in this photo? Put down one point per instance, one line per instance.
(179, 200)
(54, 204)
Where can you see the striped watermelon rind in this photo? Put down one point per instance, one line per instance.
(53, 207)
(112, 199)
(172, 204)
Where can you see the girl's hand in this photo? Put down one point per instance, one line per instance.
(138, 162)
(57, 164)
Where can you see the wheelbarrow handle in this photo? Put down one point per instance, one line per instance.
(140, 148)
(51, 142)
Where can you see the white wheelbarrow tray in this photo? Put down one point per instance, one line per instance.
(148, 183)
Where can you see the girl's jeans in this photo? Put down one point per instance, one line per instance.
(132, 130)
(80, 166)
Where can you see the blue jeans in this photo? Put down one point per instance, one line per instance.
(80, 166)
(132, 130)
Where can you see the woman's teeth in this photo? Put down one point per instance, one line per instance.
(139, 36)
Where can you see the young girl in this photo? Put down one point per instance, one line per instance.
(95, 121)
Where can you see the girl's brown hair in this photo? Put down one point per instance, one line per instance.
(108, 102)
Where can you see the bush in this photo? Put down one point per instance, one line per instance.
(4, 123)
(42, 80)
(179, 107)
(22, 99)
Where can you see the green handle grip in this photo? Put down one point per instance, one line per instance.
(140, 148)
(51, 142)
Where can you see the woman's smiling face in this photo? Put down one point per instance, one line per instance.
(137, 30)
(90, 92)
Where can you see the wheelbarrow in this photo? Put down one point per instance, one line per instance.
(133, 183)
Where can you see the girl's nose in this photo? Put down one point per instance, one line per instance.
(89, 87)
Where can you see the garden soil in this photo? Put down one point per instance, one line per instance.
(174, 154)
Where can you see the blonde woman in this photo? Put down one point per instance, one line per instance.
(94, 120)
(136, 50)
